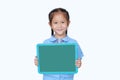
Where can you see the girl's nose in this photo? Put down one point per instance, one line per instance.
(59, 25)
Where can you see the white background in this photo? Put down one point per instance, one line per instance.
(95, 24)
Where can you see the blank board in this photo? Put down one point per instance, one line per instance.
(57, 58)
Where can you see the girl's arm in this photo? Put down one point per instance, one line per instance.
(78, 63)
(36, 61)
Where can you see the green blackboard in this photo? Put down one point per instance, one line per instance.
(56, 58)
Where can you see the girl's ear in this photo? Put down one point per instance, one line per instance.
(68, 23)
(49, 24)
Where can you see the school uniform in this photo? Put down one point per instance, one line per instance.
(66, 39)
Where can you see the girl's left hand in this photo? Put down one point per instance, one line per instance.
(78, 63)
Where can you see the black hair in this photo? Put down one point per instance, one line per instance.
(51, 14)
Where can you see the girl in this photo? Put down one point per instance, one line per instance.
(59, 21)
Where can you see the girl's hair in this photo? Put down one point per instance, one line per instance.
(51, 15)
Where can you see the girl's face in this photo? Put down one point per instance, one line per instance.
(59, 24)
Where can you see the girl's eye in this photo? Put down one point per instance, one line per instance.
(55, 22)
(63, 22)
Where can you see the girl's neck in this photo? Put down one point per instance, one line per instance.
(60, 36)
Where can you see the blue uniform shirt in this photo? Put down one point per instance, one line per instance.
(67, 39)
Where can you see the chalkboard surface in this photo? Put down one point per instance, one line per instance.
(56, 58)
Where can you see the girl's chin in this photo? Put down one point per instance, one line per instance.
(60, 34)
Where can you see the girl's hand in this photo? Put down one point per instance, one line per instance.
(78, 63)
(36, 61)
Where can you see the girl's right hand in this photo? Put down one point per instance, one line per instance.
(36, 61)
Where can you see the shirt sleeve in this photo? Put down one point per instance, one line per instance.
(46, 41)
(79, 52)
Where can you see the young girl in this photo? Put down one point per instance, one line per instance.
(59, 22)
